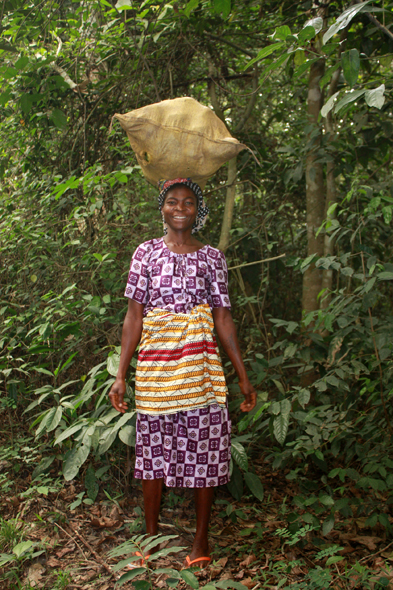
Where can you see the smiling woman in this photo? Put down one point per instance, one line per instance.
(178, 293)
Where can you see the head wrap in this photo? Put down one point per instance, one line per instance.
(202, 208)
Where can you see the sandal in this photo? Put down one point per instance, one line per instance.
(190, 562)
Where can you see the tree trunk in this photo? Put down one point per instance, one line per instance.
(232, 168)
(229, 206)
(331, 192)
(315, 190)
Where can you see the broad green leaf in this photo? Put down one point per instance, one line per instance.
(127, 435)
(280, 427)
(169, 571)
(123, 420)
(74, 461)
(343, 20)
(230, 584)
(282, 32)
(55, 420)
(303, 397)
(326, 500)
(43, 466)
(26, 102)
(106, 442)
(222, 6)
(348, 98)
(190, 579)
(375, 97)
(235, 485)
(23, 547)
(59, 118)
(239, 455)
(22, 62)
(269, 50)
(123, 5)
(112, 364)
(331, 209)
(306, 34)
(190, 7)
(279, 386)
(327, 107)
(300, 57)
(47, 419)
(334, 559)
(328, 525)
(316, 23)
(350, 62)
(68, 432)
(131, 575)
(42, 370)
(385, 276)
(255, 485)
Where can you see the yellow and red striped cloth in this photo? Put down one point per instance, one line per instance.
(179, 365)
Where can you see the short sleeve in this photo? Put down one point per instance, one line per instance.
(138, 279)
(219, 281)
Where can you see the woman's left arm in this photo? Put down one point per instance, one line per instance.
(226, 331)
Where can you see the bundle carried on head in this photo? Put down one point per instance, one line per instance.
(179, 137)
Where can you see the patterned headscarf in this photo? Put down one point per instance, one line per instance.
(202, 208)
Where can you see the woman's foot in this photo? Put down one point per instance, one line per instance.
(199, 556)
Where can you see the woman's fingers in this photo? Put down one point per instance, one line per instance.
(116, 397)
(249, 402)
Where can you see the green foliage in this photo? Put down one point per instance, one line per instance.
(73, 206)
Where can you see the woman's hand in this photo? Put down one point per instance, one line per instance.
(250, 396)
(116, 395)
(132, 330)
(226, 332)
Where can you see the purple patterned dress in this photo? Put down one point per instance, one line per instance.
(188, 448)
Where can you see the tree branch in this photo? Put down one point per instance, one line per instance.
(376, 22)
(230, 44)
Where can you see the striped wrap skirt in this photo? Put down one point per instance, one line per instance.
(183, 425)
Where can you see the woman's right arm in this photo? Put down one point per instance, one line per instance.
(131, 335)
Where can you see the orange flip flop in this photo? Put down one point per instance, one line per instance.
(195, 561)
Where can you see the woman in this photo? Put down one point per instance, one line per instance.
(176, 288)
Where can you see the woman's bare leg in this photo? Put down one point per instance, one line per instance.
(203, 505)
(152, 491)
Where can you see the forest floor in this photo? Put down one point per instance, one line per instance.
(67, 545)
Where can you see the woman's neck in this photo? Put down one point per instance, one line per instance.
(182, 242)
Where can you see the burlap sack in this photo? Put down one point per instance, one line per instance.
(178, 138)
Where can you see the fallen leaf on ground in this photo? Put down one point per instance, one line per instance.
(214, 571)
(369, 542)
(64, 551)
(105, 522)
(35, 573)
(248, 561)
(53, 562)
(248, 583)
(222, 562)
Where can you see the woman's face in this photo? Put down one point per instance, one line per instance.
(180, 208)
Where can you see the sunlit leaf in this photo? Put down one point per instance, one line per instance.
(348, 98)
(375, 97)
(343, 20)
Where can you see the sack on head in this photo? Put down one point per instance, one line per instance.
(179, 138)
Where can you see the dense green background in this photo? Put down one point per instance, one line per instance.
(74, 205)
